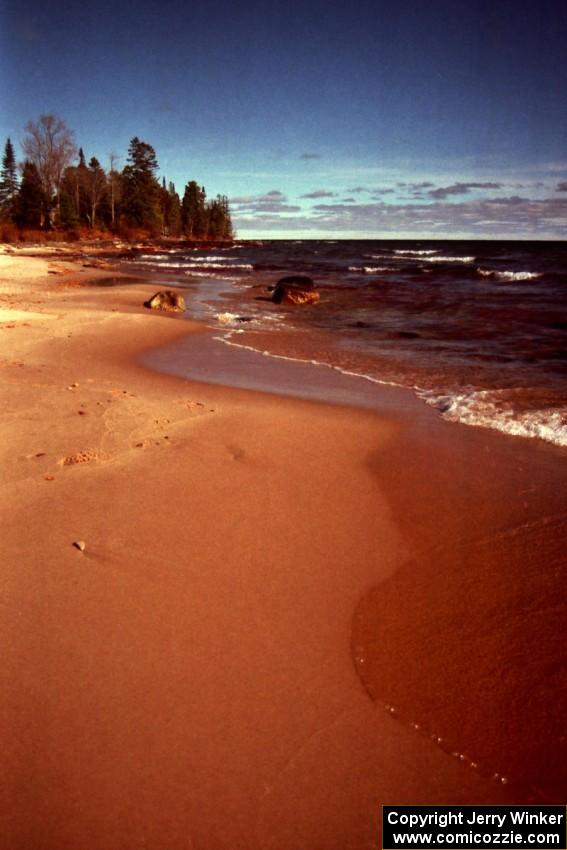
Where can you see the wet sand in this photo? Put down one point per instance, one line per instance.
(188, 680)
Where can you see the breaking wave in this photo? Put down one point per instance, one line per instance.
(449, 259)
(369, 269)
(497, 409)
(406, 252)
(507, 275)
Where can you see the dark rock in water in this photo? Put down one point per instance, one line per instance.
(167, 299)
(296, 289)
(299, 280)
(294, 295)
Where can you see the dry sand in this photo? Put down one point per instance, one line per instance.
(187, 680)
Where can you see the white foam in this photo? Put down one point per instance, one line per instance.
(212, 259)
(424, 256)
(491, 409)
(423, 253)
(226, 339)
(211, 275)
(368, 269)
(196, 263)
(510, 275)
(479, 408)
(161, 265)
(449, 259)
(210, 265)
(226, 318)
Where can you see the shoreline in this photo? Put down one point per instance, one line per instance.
(190, 675)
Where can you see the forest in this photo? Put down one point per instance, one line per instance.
(54, 192)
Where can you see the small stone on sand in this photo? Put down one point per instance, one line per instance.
(80, 545)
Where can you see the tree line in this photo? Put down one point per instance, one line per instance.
(55, 188)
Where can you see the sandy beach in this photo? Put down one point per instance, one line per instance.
(285, 614)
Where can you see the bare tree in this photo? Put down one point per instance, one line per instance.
(96, 187)
(50, 145)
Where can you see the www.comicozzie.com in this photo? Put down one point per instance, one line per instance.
(474, 826)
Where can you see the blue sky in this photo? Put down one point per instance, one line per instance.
(410, 119)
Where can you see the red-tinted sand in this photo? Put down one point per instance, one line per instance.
(187, 681)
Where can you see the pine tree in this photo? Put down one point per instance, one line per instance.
(193, 211)
(8, 183)
(219, 225)
(141, 189)
(68, 216)
(115, 189)
(170, 209)
(227, 229)
(30, 202)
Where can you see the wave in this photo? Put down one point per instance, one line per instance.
(506, 275)
(152, 262)
(212, 275)
(213, 262)
(423, 256)
(212, 259)
(494, 409)
(157, 256)
(369, 269)
(227, 318)
(423, 253)
(235, 320)
(449, 259)
(225, 266)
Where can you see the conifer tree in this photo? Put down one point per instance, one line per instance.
(219, 224)
(171, 210)
(193, 211)
(141, 189)
(30, 202)
(8, 182)
(115, 188)
(68, 216)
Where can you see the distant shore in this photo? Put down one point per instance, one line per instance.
(234, 619)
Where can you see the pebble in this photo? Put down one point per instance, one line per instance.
(80, 545)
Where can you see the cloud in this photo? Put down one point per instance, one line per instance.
(310, 156)
(512, 216)
(456, 189)
(271, 202)
(419, 209)
(319, 193)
